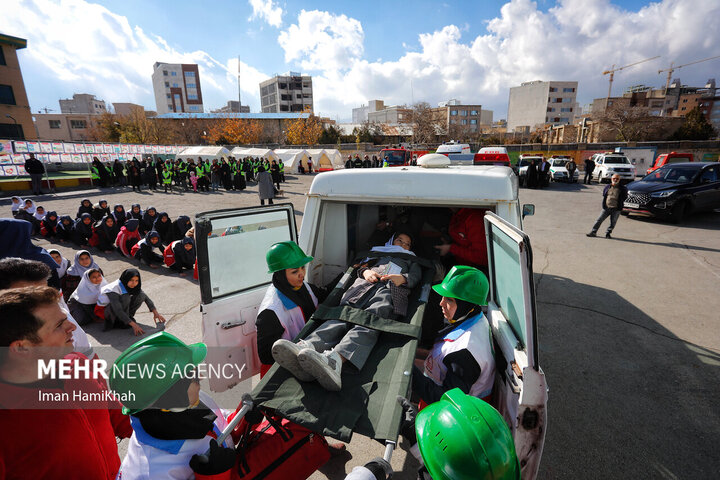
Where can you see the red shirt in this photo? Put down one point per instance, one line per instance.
(467, 230)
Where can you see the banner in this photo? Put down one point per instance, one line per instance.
(46, 147)
(20, 170)
(77, 158)
(43, 157)
(90, 148)
(65, 157)
(33, 147)
(5, 160)
(69, 147)
(6, 147)
(57, 147)
(107, 148)
(10, 170)
(18, 158)
(54, 157)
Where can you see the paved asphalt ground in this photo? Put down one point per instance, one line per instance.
(629, 331)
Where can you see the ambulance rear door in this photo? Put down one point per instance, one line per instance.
(520, 392)
(233, 274)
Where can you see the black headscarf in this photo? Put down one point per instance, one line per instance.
(151, 234)
(84, 229)
(131, 213)
(126, 276)
(110, 232)
(83, 208)
(132, 224)
(300, 297)
(149, 220)
(186, 257)
(182, 224)
(48, 222)
(163, 228)
(120, 216)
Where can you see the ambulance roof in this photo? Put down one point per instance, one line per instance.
(453, 185)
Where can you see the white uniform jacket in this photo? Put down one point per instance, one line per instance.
(290, 315)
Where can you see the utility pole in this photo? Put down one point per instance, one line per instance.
(239, 90)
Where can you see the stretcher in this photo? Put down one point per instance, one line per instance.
(367, 404)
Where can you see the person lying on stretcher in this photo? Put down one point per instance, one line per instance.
(382, 289)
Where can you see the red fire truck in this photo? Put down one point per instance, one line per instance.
(398, 157)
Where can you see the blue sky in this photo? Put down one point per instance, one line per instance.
(357, 51)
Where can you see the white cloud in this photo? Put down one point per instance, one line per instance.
(574, 40)
(323, 41)
(75, 46)
(268, 11)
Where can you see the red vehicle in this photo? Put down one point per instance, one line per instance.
(399, 157)
(492, 156)
(671, 157)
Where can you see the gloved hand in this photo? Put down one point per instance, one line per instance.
(380, 468)
(219, 460)
(407, 426)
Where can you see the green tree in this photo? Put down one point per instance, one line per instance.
(329, 135)
(696, 127)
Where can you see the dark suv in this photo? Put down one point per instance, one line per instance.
(674, 190)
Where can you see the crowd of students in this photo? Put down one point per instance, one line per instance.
(230, 173)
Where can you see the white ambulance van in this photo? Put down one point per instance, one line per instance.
(342, 209)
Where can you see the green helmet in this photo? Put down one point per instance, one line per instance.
(462, 437)
(286, 255)
(150, 367)
(464, 283)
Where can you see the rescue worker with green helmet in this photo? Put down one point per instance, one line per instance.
(462, 355)
(289, 301)
(173, 421)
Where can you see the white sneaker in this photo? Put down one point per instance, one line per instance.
(285, 353)
(325, 367)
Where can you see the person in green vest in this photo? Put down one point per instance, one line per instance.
(110, 174)
(385, 162)
(182, 171)
(167, 177)
(256, 165)
(94, 173)
(282, 170)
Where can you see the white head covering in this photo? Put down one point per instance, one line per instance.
(38, 215)
(31, 208)
(390, 248)
(87, 292)
(64, 263)
(16, 206)
(76, 269)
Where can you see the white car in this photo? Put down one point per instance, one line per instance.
(523, 162)
(609, 164)
(559, 171)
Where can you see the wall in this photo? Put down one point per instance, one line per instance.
(12, 75)
(527, 105)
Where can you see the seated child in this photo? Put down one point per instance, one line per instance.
(64, 230)
(16, 205)
(180, 227)
(83, 300)
(122, 299)
(180, 255)
(48, 225)
(107, 231)
(128, 237)
(119, 215)
(383, 290)
(100, 210)
(144, 250)
(82, 230)
(135, 212)
(148, 220)
(83, 261)
(163, 226)
(63, 263)
(39, 213)
(85, 207)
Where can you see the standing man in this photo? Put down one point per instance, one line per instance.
(36, 169)
(544, 173)
(589, 167)
(309, 162)
(614, 196)
(357, 162)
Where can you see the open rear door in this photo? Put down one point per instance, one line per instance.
(231, 248)
(521, 392)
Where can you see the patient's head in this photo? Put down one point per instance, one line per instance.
(403, 240)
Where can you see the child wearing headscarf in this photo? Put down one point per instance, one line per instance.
(135, 212)
(128, 237)
(100, 209)
(107, 231)
(144, 250)
(85, 207)
(48, 225)
(39, 213)
(163, 227)
(180, 255)
(122, 299)
(84, 299)
(64, 230)
(180, 227)
(63, 263)
(16, 205)
(82, 230)
(148, 220)
(119, 215)
(82, 262)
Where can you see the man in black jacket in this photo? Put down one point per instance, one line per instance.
(35, 168)
(589, 167)
(614, 196)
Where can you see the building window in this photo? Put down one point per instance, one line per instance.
(167, 84)
(463, 113)
(563, 120)
(473, 121)
(175, 85)
(170, 107)
(550, 109)
(173, 74)
(189, 74)
(191, 85)
(306, 95)
(282, 86)
(566, 109)
(684, 100)
(453, 113)
(284, 108)
(298, 95)
(473, 112)
(306, 85)
(168, 95)
(2, 57)
(165, 73)
(453, 122)
(192, 96)
(568, 90)
(11, 131)
(463, 121)
(6, 95)
(683, 108)
(553, 89)
(78, 124)
(54, 123)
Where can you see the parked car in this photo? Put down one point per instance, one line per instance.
(609, 164)
(559, 172)
(675, 190)
(492, 156)
(667, 158)
(521, 169)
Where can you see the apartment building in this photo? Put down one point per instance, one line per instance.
(391, 115)
(453, 115)
(291, 92)
(177, 88)
(15, 118)
(66, 127)
(538, 103)
(360, 114)
(83, 103)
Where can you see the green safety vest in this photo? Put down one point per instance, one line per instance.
(94, 173)
(182, 168)
(282, 167)
(167, 177)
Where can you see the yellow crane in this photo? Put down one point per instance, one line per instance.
(612, 71)
(672, 68)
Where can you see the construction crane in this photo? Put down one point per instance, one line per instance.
(612, 71)
(672, 68)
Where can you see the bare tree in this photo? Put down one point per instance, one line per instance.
(425, 123)
(632, 124)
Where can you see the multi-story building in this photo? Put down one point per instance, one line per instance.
(538, 103)
(66, 127)
(392, 115)
(360, 114)
(83, 103)
(233, 106)
(456, 117)
(291, 92)
(125, 109)
(177, 88)
(15, 118)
